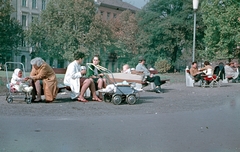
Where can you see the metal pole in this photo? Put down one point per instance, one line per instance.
(194, 36)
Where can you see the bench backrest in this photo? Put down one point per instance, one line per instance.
(59, 70)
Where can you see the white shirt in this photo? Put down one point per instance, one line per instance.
(72, 78)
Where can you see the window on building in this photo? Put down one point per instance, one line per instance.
(24, 3)
(114, 15)
(108, 15)
(23, 42)
(34, 17)
(24, 20)
(43, 4)
(23, 59)
(34, 4)
(101, 12)
(51, 62)
(60, 64)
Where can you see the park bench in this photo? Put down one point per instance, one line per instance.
(136, 77)
(61, 71)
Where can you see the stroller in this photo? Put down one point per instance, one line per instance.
(120, 91)
(214, 80)
(12, 94)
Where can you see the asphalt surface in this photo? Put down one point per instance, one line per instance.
(180, 119)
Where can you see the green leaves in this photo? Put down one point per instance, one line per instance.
(11, 32)
(166, 29)
(221, 20)
(64, 27)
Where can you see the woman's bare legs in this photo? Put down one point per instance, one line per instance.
(104, 83)
(84, 87)
(88, 83)
(38, 89)
(93, 90)
(100, 83)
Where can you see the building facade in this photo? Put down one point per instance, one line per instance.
(25, 12)
(110, 9)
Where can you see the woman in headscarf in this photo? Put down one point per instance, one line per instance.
(44, 78)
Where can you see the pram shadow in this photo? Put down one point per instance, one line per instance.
(163, 90)
(148, 99)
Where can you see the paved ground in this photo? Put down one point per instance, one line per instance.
(181, 119)
(176, 97)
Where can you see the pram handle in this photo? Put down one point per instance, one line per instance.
(101, 68)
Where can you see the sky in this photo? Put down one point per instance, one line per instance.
(137, 3)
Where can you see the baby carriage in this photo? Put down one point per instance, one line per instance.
(213, 80)
(14, 93)
(117, 92)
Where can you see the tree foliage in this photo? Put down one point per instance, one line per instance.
(162, 65)
(99, 36)
(66, 27)
(125, 31)
(10, 29)
(166, 29)
(222, 35)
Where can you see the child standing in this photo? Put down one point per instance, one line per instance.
(18, 83)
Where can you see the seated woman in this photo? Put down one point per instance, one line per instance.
(44, 78)
(207, 69)
(74, 78)
(96, 75)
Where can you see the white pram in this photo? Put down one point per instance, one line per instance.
(12, 94)
(116, 92)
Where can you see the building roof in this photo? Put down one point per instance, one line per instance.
(118, 4)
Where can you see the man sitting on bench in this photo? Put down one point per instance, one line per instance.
(148, 76)
(195, 73)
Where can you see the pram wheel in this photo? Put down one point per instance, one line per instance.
(107, 98)
(28, 100)
(131, 99)
(116, 99)
(9, 99)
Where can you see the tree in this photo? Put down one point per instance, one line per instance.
(10, 29)
(125, 31)
(99, 36)
(221, 18)
(66, 27)
(166, 30)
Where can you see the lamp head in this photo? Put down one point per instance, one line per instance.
(195, 4)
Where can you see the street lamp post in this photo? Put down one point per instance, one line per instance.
(195, 7)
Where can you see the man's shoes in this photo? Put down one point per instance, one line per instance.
(158, 90)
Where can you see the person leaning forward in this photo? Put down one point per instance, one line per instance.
(75, 80)
(148, 76)
(44, 77)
